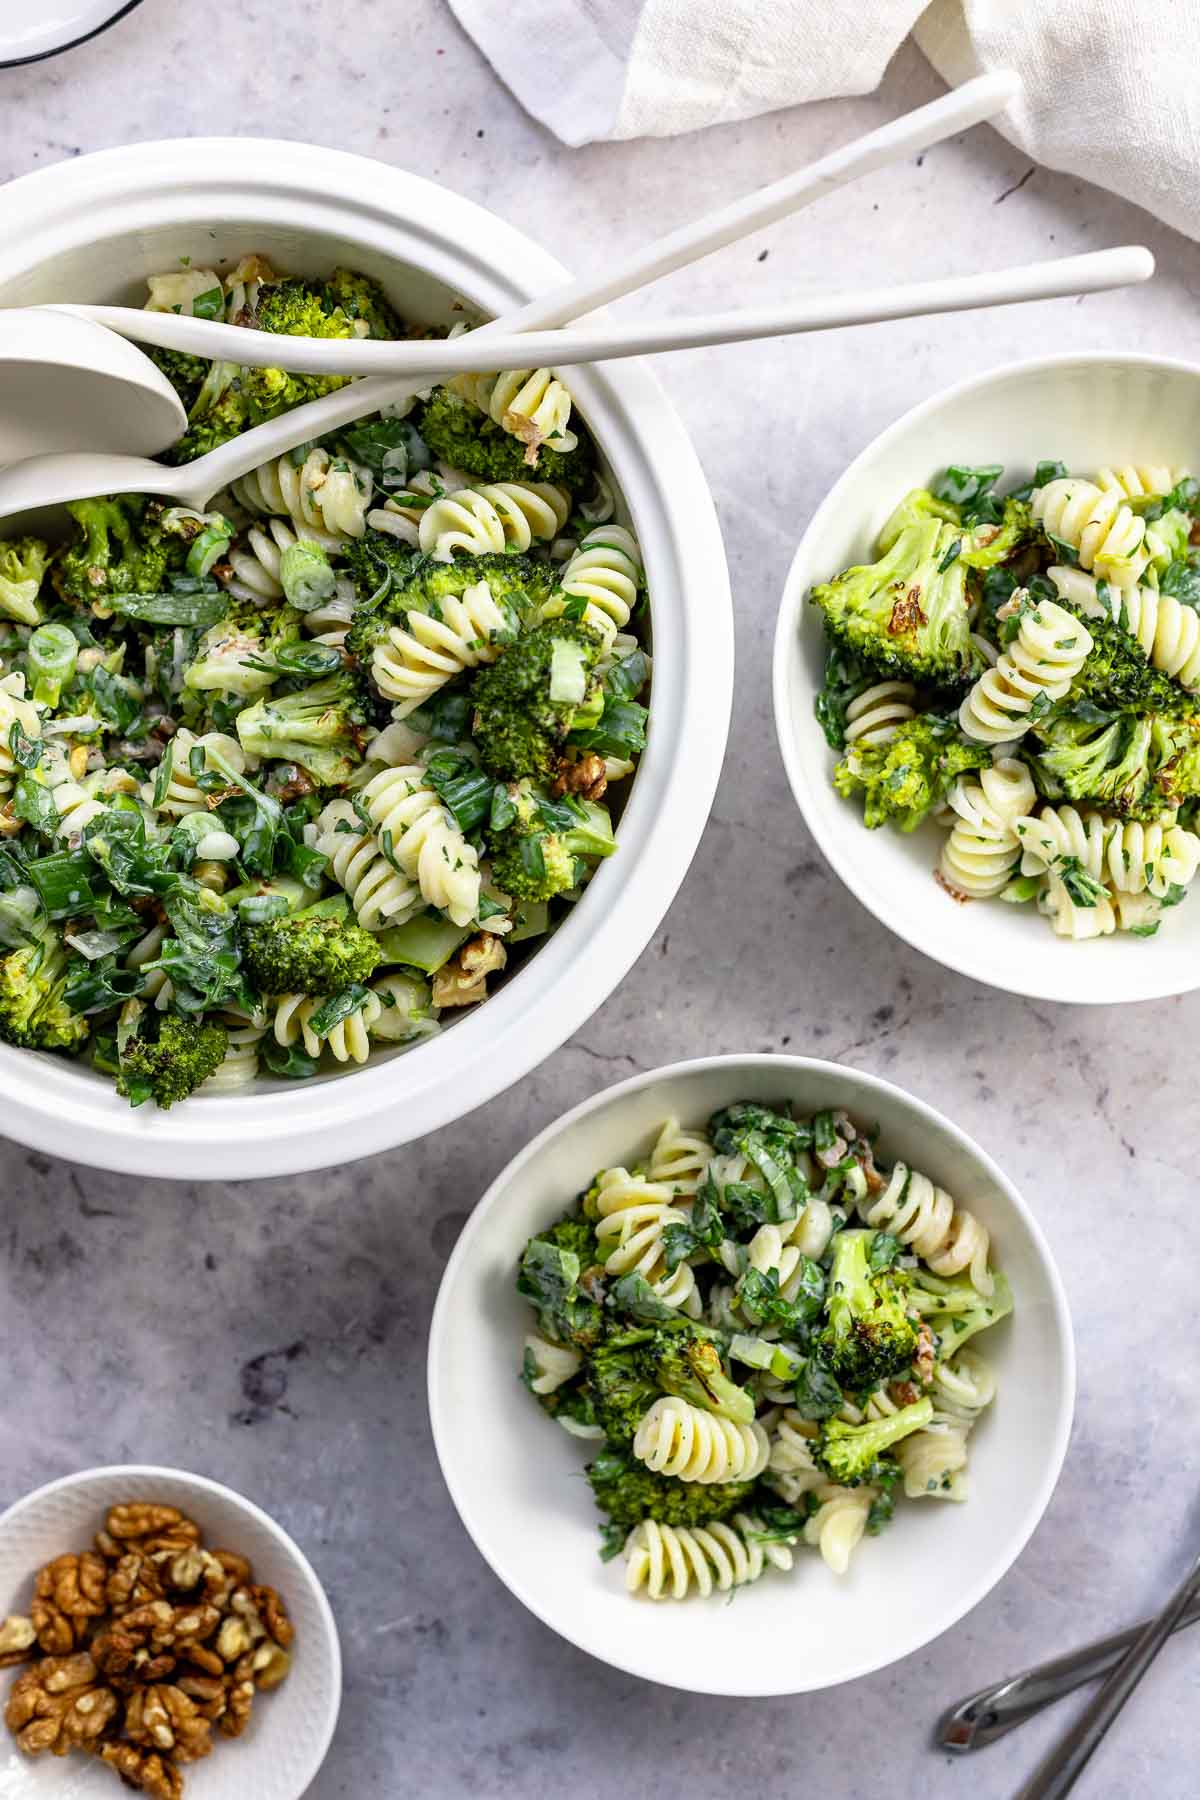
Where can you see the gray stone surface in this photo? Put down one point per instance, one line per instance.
(273, 1334)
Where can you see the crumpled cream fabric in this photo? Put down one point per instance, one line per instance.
(1111, 87)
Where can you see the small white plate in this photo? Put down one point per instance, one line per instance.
(290, 1729)
(29, 33)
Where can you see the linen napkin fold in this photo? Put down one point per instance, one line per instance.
(1111, 88)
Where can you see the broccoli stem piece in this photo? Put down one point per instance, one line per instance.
(851, 1454)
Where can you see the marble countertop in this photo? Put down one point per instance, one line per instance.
(273, 1334)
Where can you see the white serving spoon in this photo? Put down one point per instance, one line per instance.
(43, 482)
(79, 387)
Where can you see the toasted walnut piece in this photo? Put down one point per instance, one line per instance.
(273, 1614)
(202, 1657)
(208, 1692)
(165, 1718)
(17, 1638)
(463, 980)
(67, 1593)
(586, 776)
(923, 1362)
(60, 1674)
(133, 1583)
(108, 1547)
(237, 1713)
(269, 1665)
(54, 1705)
(233, 1639)
(184, 1570)
(141, 1518)
(145, 1769)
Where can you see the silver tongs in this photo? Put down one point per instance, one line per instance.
(994, 1711)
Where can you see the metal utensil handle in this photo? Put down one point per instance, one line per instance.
(1057, 1774)
(992, 1712)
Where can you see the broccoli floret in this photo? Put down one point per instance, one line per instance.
(907, 613)
(527, 701)
(850, 1454)
(185, 373)
(622, 1387)
(361, 298)
(1118, 677)
(294, 308)
(225, 418)
(320, 727)
(559, 1275)
(172, 1065)
(23, 564)
(411, 583)
(229, 650)
(537, 855)
(903, 779)
(308, 956)
(632, 1369)
(987, 545)
(468, 439)
(1136, 767)
(34, 1014)
(868, 1336)
(126, 545)
(629, 1492)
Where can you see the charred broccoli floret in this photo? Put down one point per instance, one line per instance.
(868, 1336)
(539, 853)
(172, 1065)
(378, 564)
(1136, 767)
(907, 613)
(185, 373)
(1118, 677)
(903, 779)
(126, 545)
(235, 655)
(629, 1492)
(632, 1369)
(308, 956)
(559, 1276)
(851, 1454)
(527, 701)
(23, 564)
(468, 439)
(34, 1014)
(320, 727)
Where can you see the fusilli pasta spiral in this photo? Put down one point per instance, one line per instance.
(632, 1214)
(873, 716)
(502, 515)
(325, 497)
(348, 1039)
(1131, 857)
(605, 572)
(838, 1523)
(417, 832)
(555, 1363)
(379, 892)
(671, 1561)
(679, 1159)
(1051, 648)
(679, 1439)
(412, 661)
(1097, 523)
(934, 1459)
(1167, 632)
(246, 1032)
(530, 404)
(979, 855)
(793, 1472)
(181, 794)
(925, 1218)
(15, 709)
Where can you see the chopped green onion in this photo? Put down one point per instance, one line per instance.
(207, 548)
(568, 672)
(306, 574)
(53, 653)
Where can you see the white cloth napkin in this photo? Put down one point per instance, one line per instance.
(1111, 87)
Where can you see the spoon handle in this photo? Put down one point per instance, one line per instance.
(426, 358)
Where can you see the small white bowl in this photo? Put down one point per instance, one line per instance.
(1087, 410)
(92, 229)
(290, 1728)
(517, 1480)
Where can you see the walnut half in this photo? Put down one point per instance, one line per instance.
(17, 1638)
(463, 980)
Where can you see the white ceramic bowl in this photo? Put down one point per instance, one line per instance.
(516, 1478)
(1085, 409)
(91, 230)
(290, 1729)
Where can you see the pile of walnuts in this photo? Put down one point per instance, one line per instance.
(138, 1649)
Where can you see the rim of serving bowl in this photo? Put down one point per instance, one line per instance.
(230, 183)
(977, 966)
(756, 1066)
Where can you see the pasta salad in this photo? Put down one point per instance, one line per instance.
(294, 776)
(762, 1335)
(1024, 670)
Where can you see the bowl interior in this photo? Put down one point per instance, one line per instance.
(92, 231)
(1086, 411)
(517, 1481)
(290, 1729)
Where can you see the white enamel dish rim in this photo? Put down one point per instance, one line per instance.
(290, 1737)
(481, 1415)
(137, 196)
(1005, 947)
(65, 26)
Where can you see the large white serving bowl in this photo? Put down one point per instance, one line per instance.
(290, 1729)
(515, 1476)
(92, 230)
(1087, 410)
